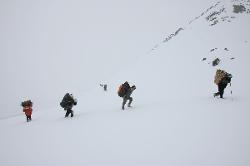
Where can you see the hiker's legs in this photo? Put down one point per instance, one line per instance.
(28, 118)
(221, 91)
(130, 101)
(124, 102)
(216, 94)
(67, 113)
(72, 113)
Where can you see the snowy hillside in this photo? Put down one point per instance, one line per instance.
(175, 120)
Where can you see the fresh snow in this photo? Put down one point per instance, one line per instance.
(175, 120)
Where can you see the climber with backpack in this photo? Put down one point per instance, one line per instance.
(222, 78)
(27, 109)
(67, 104)
(125, 92)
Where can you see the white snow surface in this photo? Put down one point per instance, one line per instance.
(174, 119)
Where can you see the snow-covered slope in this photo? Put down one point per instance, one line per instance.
(174, 120)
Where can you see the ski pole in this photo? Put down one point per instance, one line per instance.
(231, 91)
(231, 88)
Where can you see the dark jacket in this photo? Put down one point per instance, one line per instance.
(129, 91)
(68, 102)
(224, 82)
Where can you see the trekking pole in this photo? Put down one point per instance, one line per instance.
(231, 88)
(231, 91)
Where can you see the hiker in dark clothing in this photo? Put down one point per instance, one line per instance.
(127, 96)
(223, 84)
(67, 103)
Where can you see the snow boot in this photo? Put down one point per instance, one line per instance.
(216, 94)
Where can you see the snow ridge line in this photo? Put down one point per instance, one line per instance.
(239, 6)
(172, 35)
(205, 12)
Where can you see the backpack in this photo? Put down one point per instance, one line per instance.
(121, 90)
(63, 104)
(27, 103)
(67, 99)
(220, 74)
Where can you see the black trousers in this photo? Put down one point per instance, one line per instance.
(221, 88)
(69, 111)
(28, 118)
(125, 99)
